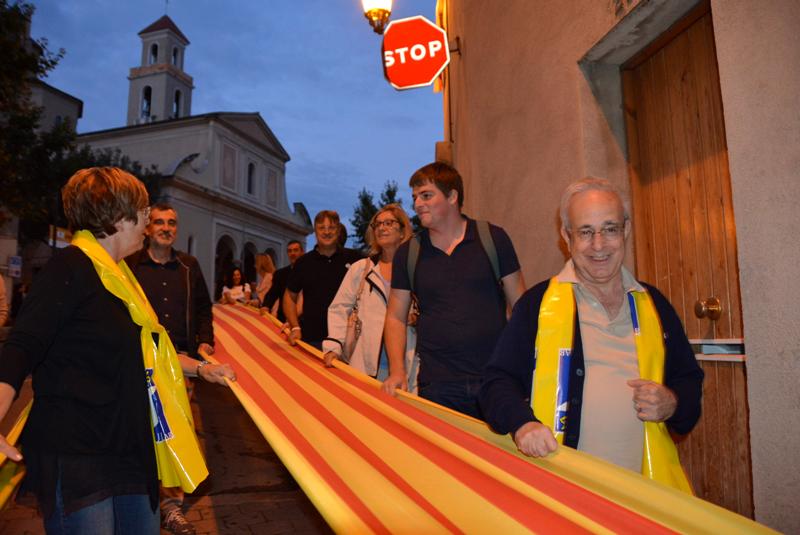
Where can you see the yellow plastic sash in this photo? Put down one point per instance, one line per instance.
(553, 339)
(180, 461)
(556, 327)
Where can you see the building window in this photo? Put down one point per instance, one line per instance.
(251, 178)
(176, 105)
(175, 56)
(153, 59)
(229, 167)
(147, 100)
(272, 187)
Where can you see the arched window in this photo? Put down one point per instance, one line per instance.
(147, 100)
(153, 59)
(251, 178)
(176, 105)
(175, 56)
(223, 262)
(249, 262)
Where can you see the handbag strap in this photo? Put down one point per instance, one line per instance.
(367, 269)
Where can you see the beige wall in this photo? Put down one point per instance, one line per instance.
(525, 120)
(758, 51)
(525, 123)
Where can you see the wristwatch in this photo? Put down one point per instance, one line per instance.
(202, 363)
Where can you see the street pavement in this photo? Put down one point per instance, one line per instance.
(248, 490)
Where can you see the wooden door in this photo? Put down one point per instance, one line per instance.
(685, 236)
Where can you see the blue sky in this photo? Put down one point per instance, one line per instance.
(312, 68)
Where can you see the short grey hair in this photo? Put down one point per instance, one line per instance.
(591, 184)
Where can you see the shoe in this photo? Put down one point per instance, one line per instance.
(175, 522)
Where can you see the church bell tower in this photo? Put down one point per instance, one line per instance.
(159, 88)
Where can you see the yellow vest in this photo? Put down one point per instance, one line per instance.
(554, 347)
(180, 461)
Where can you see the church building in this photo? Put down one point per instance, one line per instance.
(224, 172)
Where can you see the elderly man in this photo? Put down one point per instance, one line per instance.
(594, 359)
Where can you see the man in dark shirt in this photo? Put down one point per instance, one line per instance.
(318, 275)
(177, 291)
(272, 301)
(462, 304)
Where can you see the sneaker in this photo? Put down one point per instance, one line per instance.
(175, 522)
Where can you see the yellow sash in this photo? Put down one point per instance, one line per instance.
(551, 377)
(180, 461)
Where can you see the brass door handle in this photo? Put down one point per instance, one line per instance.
(709, 308)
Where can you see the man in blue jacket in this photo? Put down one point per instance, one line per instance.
(591, 354)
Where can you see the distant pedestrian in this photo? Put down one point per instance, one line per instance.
(265, 268)
(272, 301)
(235, 289)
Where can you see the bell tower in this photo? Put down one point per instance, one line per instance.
(159, 88)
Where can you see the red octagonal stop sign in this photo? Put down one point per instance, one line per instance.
(415, 51)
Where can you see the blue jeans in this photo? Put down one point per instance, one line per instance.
(461, 396)
(117, 515)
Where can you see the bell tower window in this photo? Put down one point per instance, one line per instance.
(175, 56)
(153, 58)
(176, 104)
(147, 101)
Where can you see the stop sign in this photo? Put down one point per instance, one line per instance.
(415, 51)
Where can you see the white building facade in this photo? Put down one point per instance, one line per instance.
(223, 172)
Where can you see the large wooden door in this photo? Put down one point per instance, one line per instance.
(685, 237)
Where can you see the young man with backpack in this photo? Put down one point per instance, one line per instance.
(465, 276)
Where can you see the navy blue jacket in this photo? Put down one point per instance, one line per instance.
(505, 394)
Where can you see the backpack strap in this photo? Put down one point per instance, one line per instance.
(485, 237)
(413, 258)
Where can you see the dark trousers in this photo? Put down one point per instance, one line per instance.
(461, 395)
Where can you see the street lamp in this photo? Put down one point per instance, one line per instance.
(377, 13)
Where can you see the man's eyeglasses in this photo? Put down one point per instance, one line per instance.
(385, 223)
(607, 233)
(322, 228)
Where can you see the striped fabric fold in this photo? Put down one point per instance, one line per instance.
(373, 463)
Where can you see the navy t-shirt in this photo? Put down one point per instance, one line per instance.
(319, 277)
(462, 306)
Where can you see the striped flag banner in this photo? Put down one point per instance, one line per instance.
(373, 463)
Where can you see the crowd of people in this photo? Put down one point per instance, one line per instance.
(590, 359)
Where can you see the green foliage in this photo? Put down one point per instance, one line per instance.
(366, 209)
(362, 213)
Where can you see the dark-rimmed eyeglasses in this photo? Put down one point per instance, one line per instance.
(385, 223)
(609, 232)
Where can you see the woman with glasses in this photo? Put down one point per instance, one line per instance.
(366, 288)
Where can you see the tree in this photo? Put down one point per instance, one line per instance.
(24, 150)
(366, 209)
(362, 214)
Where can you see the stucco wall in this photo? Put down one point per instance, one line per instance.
(758, 51)
(525, 123)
